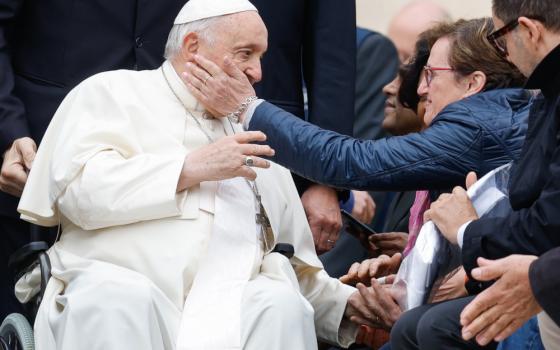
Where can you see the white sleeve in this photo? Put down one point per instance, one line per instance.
(249, 113)
(461, 233)
(111, 190)
(329, 297)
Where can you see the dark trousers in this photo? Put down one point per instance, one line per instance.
(14, 233)
(433, 327)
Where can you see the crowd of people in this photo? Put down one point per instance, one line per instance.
(181, 224)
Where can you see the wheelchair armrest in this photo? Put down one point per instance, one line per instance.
(26, 255)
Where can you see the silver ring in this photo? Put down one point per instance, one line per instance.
(249, 161)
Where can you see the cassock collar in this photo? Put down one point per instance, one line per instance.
(546, 76)
(177, 85)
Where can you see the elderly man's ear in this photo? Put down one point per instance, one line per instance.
(190, 46)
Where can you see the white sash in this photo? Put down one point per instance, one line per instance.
(212, 313)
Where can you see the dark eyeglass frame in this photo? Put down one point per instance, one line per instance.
(429, 73)
(494, 37)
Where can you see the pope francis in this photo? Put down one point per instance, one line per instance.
(169, 217)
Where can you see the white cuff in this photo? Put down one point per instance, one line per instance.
(461, 233)
(249, 113)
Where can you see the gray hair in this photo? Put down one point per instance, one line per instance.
(203, 27)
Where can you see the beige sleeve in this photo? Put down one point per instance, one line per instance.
(329, 297)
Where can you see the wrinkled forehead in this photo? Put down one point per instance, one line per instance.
(244, 27)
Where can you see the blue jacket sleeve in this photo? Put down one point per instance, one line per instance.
(13, 124)
(329, 63)
(435, 159)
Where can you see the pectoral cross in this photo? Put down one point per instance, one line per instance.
(262, 220)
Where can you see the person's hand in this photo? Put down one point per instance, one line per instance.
(323, 213)
(388, 243)
(225, 159)
(16, 166)
(372, 268)
(220, 91)
(364, 206)
(504, 307)
(453, 287)
(451, 210)
(375, 307)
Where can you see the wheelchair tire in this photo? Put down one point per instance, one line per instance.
(16, 326)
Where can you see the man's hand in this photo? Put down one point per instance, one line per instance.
(225, 159)
(450, 212)
(453, 210)
(220, 91)
(372, 268)
(16, 166)
(504, 307)
(452, 288)
(388, 243)
(364, 207)
(323, 213)
(376, 307)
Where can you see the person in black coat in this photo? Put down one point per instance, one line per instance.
(533, 228)
(47, 47)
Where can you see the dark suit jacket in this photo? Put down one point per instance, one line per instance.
(311, 41)
(377, 65)
(534, 225)
(399, 212)
(545, 282)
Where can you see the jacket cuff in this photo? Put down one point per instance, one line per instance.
(545, 284)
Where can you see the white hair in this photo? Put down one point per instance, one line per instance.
(203, 27)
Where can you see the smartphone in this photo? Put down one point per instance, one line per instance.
(355, 227)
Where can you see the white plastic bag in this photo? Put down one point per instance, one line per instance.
(433, 256)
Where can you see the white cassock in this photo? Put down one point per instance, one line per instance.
(131, 247)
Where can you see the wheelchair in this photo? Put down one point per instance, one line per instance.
(16, 332)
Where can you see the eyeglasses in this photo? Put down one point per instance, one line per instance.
(429, 73)
(496, 37)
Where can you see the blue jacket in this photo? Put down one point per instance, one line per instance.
(478, 134)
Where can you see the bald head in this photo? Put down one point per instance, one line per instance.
(410, 21)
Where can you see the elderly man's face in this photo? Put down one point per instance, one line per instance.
(242, 37)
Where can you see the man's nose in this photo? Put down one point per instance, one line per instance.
(254, 72)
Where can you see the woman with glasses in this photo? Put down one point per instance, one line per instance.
(476, 120)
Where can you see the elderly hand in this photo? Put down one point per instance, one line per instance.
(450, 211)
(453, 287)
(220, 91)
(376, 307)
(504, 307)
(225, 159)
(16, 165)
(323, 213)
(388, 243)
(372, 268)
(364, 207)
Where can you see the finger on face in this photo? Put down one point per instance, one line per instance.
(198, 72)
(208, 65)
(194, 81)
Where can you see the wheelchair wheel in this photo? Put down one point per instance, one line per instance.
(17, 333)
